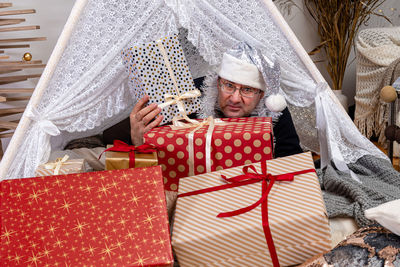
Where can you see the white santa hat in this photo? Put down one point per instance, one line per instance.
(245, 65)
(240, 71)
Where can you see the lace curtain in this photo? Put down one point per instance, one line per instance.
(214, 26)
(88, 91)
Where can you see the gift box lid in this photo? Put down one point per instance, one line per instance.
(107, 218)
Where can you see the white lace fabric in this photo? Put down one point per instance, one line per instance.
(88, 91)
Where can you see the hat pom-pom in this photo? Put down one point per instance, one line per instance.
(275, 103)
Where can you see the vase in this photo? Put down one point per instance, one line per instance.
(342, 99)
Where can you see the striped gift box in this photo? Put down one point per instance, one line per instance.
(68, 167)
(297, 218)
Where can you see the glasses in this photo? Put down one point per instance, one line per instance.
(230, 88)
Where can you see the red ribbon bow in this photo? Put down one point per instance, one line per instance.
(250, 178)
(120, 146)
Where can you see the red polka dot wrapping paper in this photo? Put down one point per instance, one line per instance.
(108, 218)
(240, 141)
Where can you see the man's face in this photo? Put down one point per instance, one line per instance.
(236, 104)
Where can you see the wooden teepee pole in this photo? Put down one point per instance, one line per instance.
(295, 43)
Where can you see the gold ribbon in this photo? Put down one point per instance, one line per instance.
(208, 144)
(56, 166)
(211, 122)
(176, 99)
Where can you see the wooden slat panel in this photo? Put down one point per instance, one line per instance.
(16, 63)
(14, 46)
(21, 28)
(17, 12)
(16, 90)
(10, 111)
(17, 40)
(17, 98)
(5, 136)
(5, 5)
(8, 125)
(6, 66)
(20, 76)
(13, 79)
(2, 130)
(10, 21)
(21, 66)
(9, 71)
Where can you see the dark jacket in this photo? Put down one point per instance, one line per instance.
(286, 139)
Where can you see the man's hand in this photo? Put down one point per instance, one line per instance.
(141, 120)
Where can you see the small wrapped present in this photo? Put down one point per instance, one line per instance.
(229, 142)
(263, 214)
(123, 156)
(61, 166)
(159, 69)
(106, 218)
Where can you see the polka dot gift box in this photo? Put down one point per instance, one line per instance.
(159, 69)
(235, 142)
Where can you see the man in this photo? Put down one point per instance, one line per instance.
(237, 90)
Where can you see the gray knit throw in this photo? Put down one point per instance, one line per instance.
(345, 197)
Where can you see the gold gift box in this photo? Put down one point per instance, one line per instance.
(120, 160)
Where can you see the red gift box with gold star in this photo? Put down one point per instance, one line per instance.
(232, 142)
(108, 218)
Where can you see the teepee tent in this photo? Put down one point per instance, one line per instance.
(84, 90)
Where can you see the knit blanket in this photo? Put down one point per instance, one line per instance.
(345, 197)
(377, 49)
